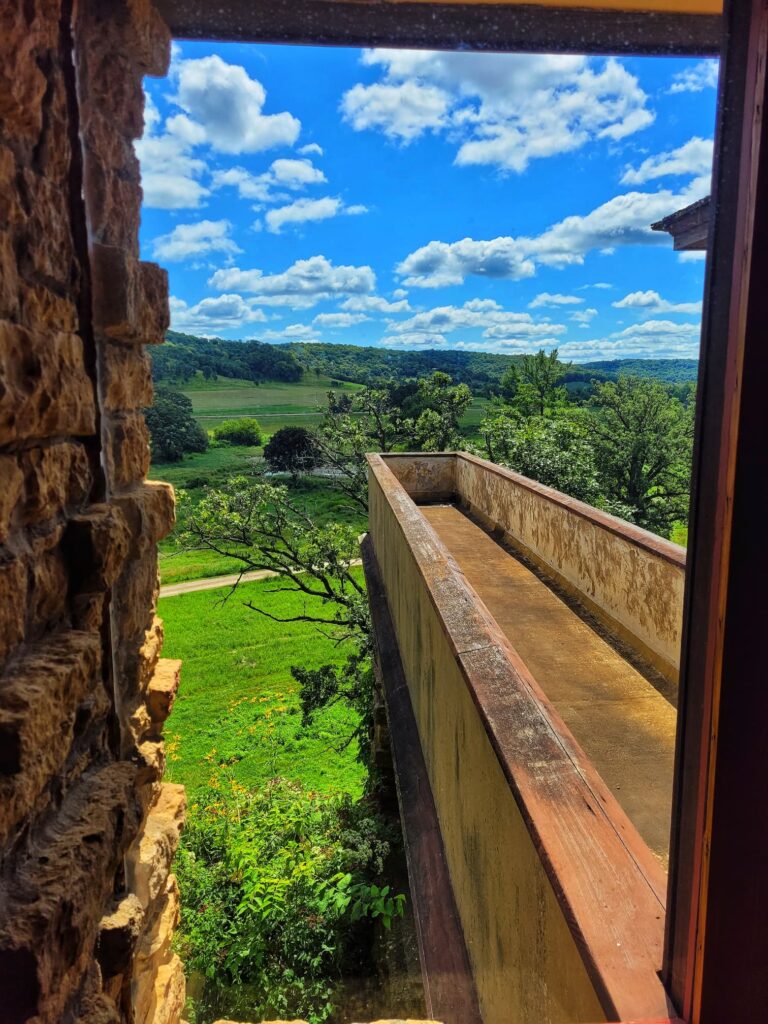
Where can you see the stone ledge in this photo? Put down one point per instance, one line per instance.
(39, 700)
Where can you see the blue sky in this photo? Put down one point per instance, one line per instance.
(428, 200)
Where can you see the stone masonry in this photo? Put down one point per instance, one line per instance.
(87, 827)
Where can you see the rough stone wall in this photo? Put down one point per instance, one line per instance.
(87, 828)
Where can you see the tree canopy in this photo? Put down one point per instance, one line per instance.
(173, 429)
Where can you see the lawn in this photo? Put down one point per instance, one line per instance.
(238, 704)
(274, 404)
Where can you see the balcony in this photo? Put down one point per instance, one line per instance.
(528, 648)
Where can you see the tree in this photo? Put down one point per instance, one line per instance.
(256, 523)
(243, 431)
(532, 385)
(443, 403)
(555, 451)
(292, 450)
(643, 438)
(173, 429)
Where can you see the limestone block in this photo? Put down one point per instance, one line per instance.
(119, 934)
(9, 277)
(126, 377)
(14, 585)
(149, 653)
(149, 859)
(45, 245)
(113, 196)
(134, 597)
(127, 450)
(39, 699)
(149, 511)
(130, 298)
(22, 83)
(56, 477)
(11, 482)
(49, 584)
(57, 888)
(42, 309)
(97, 542)
(10, 209)
(162, 689)
(166, 1002)
(47, 390)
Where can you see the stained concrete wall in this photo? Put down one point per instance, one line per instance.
(560, 922)
(630, 578)
(87, 827)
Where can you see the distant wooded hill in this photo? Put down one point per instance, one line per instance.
(184, 355)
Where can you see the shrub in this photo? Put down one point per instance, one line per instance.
(292, 450)
(279, 891)
(173, 429)
(243, 431)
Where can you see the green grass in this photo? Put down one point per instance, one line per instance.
(238, 704)
(317, 496)
(274, 404)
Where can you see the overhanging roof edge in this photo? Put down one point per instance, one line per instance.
(437, 24)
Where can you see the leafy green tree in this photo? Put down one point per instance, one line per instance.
(443, 403)
(173, 429)
(256, 523)
(243, 431)
(532, 384)
(643, 438)
(556, 451)
(292, 450)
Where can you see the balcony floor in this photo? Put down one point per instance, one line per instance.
(622, 722)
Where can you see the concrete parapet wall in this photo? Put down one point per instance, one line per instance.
(629, 578)
(560, 902)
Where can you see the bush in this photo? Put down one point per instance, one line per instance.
(243, 431)
(173, 429)
(279, 892)
(292, 450)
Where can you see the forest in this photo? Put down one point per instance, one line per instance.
(184, 355)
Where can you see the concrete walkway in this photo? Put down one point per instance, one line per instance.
(623, 723)
(214, 582)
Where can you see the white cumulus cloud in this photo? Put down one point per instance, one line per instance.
(228, 105)
(198, 239)
(692, 158)
(549, 299)
(502, 110)
(334, 320)
(697, 78)
(652, 302)
(304, 284)
(222, 313)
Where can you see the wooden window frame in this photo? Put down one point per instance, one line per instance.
(716, 957)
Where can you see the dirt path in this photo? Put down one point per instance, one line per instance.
(214, 582)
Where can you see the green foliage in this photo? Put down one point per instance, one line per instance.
(172, 427)
(239, 706)
(244, 431)
(292, 450)
(556, 451)
(280, 888)
(643, 437)
(531, 386)
(184, 355)
(442, 403)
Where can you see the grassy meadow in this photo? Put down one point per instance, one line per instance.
(274, 405)
(238, 704)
